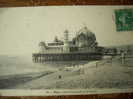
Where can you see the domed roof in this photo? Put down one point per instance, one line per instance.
(85, 31)
(42, 43)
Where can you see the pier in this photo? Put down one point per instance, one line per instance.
(40, 58)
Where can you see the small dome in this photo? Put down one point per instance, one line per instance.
(42, 44)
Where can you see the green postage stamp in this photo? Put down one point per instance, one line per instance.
(124, 19)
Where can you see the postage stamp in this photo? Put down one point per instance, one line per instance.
(124, 19)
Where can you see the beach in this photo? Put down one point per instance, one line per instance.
(105, 73)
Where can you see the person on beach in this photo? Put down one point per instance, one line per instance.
(59, 76)
(123, 53)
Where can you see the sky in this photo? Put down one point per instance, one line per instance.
(22, 28)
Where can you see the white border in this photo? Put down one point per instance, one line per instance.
(16, 92)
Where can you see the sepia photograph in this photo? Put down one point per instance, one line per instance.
(53, 50)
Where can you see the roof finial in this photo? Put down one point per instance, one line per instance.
(84, 25)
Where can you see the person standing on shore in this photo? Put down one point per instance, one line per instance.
(123, 53)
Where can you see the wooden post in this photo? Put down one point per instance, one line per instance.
(123, 57)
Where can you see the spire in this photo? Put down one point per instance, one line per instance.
(56, 39)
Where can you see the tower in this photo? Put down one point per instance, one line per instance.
(66, 36)
(66, 41)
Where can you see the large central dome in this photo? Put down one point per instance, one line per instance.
(85, 38)
(85, 31)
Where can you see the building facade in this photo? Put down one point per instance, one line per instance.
(84, 41)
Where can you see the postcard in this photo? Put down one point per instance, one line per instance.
(66, 50)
